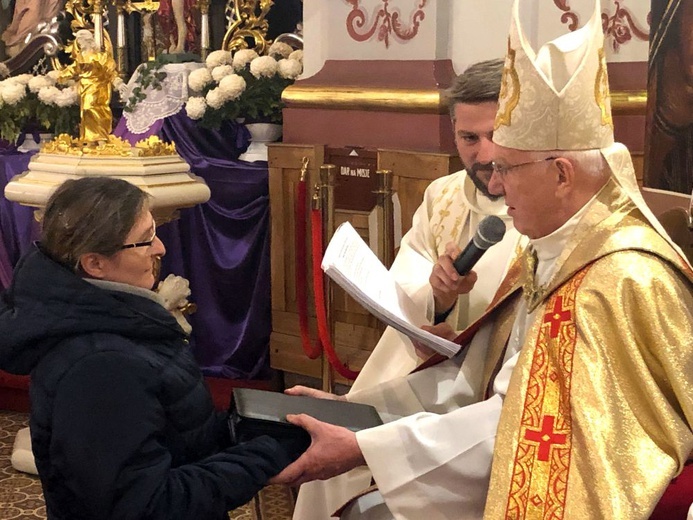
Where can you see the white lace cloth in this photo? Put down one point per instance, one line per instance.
(159, 103)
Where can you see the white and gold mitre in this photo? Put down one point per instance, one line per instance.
(558, 97)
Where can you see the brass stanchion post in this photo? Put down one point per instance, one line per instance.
(386, 223)
(327, 184)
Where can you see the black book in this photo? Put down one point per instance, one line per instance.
(261, 412)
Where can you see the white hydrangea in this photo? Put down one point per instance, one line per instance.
(199, 78)
(49, 95)
(196, 107)
(53, 75)
(13, 93)
(67, 97)
(231, 86)
(38, 82)
(280, 49)
(289, 69)
(222, 70)
(263, 66)
(243, 57)
(217, 58)
(297, 55)
(215, 98)
(4, 71)
(22, 78)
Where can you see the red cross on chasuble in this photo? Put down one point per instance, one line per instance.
(546, 437)
(541, 464)
(557, 316)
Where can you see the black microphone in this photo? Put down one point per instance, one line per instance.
(490, 231)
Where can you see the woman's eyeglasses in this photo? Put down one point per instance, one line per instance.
(146, 243)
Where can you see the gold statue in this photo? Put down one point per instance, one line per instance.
(95, 71)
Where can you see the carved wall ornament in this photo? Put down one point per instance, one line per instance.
(385, 20)
(620, 27)
(568, 17)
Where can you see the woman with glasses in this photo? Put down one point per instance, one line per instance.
(122, 425)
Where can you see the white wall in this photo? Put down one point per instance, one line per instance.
(466, 31)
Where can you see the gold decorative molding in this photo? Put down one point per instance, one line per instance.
(64, 144)
(247, 21)
(152, 146)
(334, 97)
(629, 102)
(364, 98)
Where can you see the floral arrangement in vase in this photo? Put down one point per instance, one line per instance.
(37, 103)
(242, 85)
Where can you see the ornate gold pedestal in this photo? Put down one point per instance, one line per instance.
(156, 168)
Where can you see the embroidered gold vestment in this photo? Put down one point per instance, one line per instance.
(598, 415)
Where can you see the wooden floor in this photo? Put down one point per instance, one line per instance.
(21, 497)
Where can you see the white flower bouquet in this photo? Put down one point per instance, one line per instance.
(242, 85)
(34, 103)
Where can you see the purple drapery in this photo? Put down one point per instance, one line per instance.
(222, 248)
(18, 228)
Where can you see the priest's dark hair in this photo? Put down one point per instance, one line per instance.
(90, 215)
(479, 83)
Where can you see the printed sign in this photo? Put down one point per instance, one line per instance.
(356, 179)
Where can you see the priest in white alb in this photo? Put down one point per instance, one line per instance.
(451, 211)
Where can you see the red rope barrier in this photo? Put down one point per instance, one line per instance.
(319, 293)
(312, 351)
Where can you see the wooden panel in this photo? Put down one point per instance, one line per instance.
(356, 336)
(277, 248)
(417, 165)
(287, 354)
(287, 323)
(356, 330)
(410, 193)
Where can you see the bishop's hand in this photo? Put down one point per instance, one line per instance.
(333, 450)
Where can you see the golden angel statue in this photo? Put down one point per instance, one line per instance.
(95, 73)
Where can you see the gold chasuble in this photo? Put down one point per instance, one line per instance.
(598, 415)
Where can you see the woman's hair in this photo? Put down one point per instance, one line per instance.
(90, 215)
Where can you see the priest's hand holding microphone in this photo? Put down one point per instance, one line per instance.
(452, 276)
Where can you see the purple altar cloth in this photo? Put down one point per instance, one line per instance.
(121, 130)
(222, 248)
(18, 228)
